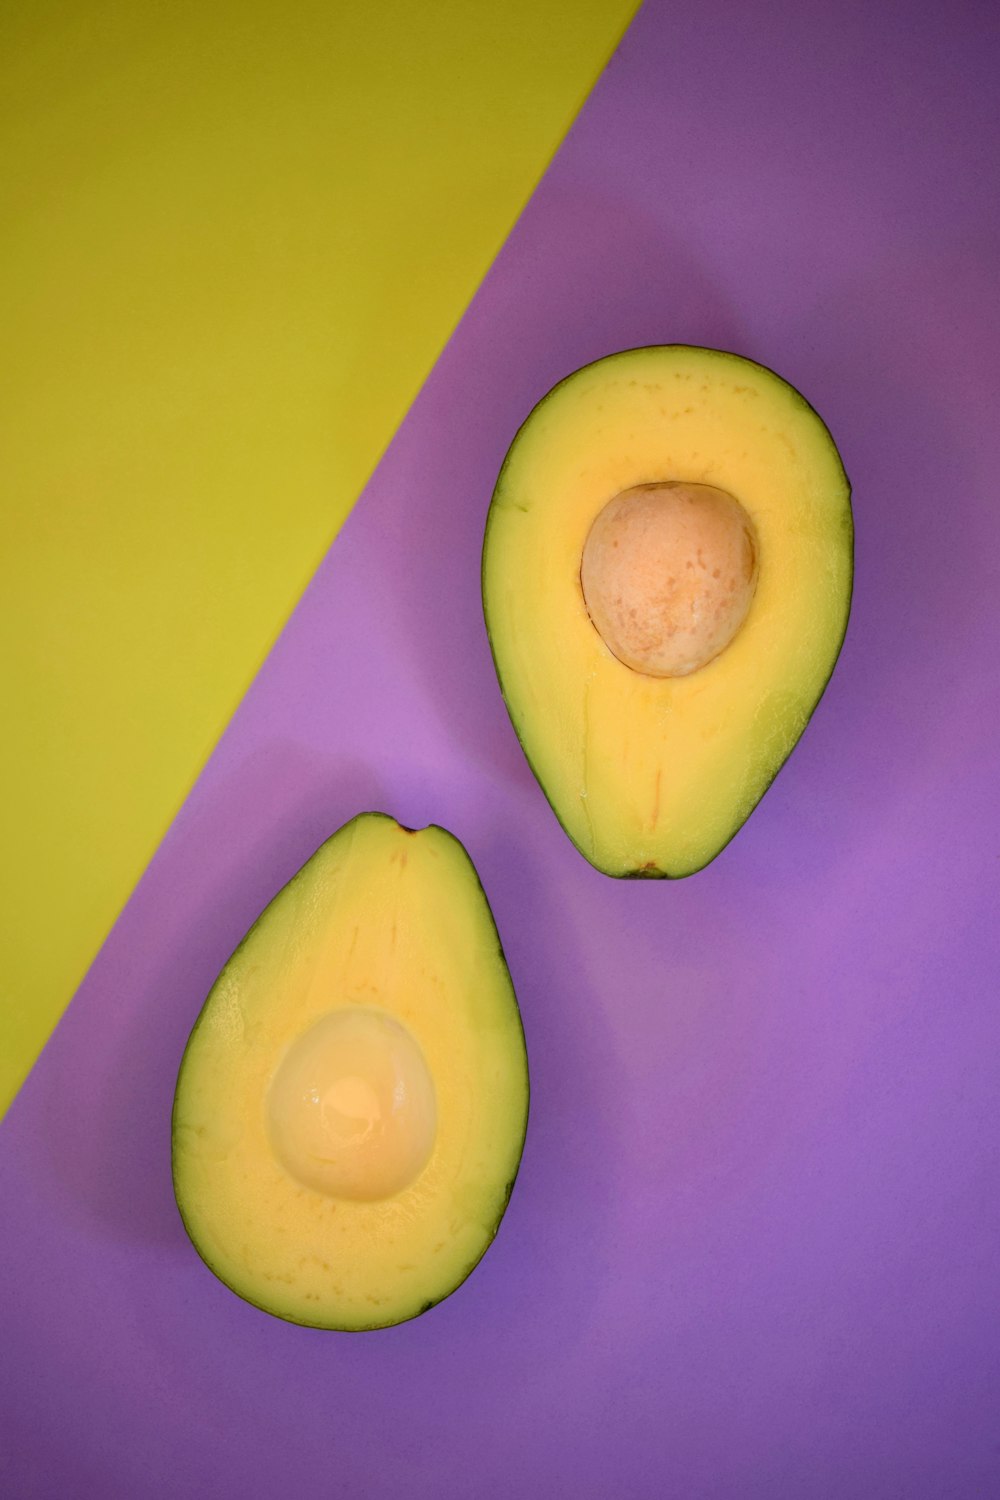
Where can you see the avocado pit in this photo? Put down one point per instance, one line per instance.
(668, 574)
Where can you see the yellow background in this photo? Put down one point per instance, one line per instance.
(235, 237)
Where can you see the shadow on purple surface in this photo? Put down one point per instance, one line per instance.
(614, 259)
(921, 583)
(108, 1147)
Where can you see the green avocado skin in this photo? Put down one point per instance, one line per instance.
(258, 930)
(651, 870)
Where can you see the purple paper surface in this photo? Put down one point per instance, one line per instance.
(754, 1247)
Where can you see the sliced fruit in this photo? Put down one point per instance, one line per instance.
(352, 1103)
(667, 576)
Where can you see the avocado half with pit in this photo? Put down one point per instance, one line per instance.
(352, 1103)
(667, 576)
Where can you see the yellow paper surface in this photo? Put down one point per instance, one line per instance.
(235, 237)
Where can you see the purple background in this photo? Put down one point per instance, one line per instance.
(754, 1247)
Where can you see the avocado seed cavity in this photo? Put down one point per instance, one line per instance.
(668, 574)
(351, 1110)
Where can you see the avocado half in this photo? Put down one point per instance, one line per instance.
(352, 1103)
(653, 775)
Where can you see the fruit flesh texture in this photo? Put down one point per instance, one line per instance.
(379, 920)
(653, 776)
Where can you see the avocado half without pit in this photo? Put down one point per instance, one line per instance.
(667, 575)
(352, 1103)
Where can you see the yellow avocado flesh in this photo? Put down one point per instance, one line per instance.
(653, 775)
(352, 1103)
